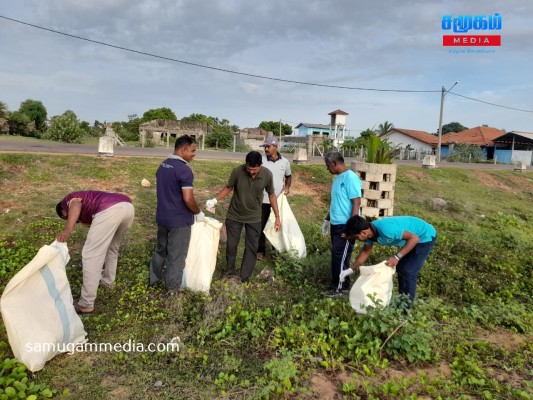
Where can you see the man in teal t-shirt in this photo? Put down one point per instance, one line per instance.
(414, 237)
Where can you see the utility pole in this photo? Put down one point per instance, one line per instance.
(280, 130)
(442, 95)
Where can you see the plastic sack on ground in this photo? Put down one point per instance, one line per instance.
(374, 280)
(38, 310)
(202, 256)
(290, 238)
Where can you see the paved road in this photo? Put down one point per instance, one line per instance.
(9, 145)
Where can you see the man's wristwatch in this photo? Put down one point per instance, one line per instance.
(398, 256)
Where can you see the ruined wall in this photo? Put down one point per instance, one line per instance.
(158, 130)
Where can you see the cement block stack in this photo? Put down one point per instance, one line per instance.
(378, 188)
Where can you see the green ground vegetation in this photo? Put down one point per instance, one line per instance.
(467, 337)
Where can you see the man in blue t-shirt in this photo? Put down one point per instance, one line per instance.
(345, 203)
(414, 237)
(176, 212)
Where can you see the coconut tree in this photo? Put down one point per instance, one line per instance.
(384, 128)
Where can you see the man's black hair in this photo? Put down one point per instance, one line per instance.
(254, 159)
(355, 225)
(184, 141)
(59, 210)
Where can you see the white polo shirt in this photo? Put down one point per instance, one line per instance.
(281, 169)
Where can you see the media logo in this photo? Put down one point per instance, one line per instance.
(466, 23)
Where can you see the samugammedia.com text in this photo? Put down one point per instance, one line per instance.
(131, 346)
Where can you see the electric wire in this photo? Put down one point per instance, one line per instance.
(492, 104)
(249, 74)
(215, 68)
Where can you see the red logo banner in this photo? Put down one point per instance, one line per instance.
(471, 40)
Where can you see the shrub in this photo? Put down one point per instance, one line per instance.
(65, 128)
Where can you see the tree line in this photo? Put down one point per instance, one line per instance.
(31, 120)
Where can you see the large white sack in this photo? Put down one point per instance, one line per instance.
(290, 237)
(375, 280)
(202, 256)
(38, 310)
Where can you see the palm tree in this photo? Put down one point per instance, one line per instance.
(384, 128)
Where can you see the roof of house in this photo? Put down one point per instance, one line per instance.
(422, 136)
(480, 135)
(338, 112)
(519, 137)
(313, 125)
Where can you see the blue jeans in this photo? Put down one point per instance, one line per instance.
(410, 265)
(338, 248)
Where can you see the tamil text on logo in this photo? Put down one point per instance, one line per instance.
(466, 23)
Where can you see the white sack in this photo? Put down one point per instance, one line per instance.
(373, 280)
(290, 238)
(38, 310)
(202, 256)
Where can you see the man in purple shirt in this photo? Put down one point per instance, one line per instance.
(108, 216)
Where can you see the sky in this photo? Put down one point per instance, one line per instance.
(336, 47)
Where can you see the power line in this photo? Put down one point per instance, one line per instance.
(248, 74)
(492, 104)
(215, 68)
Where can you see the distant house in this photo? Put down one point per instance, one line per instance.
(335, 132)
(420, 141)
(482, 136)
(306, 129)
(513, 147)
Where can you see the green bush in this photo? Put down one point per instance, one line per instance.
(463, 152)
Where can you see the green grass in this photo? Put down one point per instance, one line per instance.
(469, 334)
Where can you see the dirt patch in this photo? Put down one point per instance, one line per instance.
(91, 359)
(431, 371)
(502, 338)
(303, 185)
(117, 391)
(415, 175)
(323, 388)
(491, 181)
(521, 182)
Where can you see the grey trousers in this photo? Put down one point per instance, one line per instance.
(252, 233)
(100, 251)
(171, 250)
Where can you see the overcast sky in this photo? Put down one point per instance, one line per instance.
(374, 44)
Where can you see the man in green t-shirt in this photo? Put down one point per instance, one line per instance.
(247, 183)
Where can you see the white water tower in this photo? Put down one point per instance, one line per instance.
(337, 126)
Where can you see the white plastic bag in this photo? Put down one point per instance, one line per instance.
(38, 310)
(202, 256)
(290, 237)
(375, 280)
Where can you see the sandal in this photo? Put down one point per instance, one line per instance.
(83, 310)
